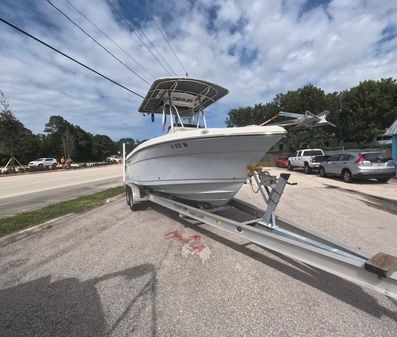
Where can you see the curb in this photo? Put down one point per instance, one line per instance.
(115, 198)
(31, 230)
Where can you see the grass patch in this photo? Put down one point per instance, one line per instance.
(28, 219)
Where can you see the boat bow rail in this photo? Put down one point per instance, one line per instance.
(266, 229)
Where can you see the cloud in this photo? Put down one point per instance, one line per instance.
(254, 49)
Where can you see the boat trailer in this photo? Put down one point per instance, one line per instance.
(266, 229)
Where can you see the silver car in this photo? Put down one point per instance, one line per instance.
(43, 163)
(359, 165)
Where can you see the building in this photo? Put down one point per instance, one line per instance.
(392, 131)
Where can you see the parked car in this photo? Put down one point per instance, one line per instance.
(43, 163)
(114, 159)
(359, 165)
(305, 159)
(282, 161)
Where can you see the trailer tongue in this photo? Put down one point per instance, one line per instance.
(266, 229)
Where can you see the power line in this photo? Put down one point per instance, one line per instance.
(144, 34)
(114, 42)
(165, 38)
(137, 36)
(99, 44)
(125, 14)
(69, 57)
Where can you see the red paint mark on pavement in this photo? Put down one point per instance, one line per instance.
(194, 242)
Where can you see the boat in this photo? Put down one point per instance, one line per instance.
(189, 160)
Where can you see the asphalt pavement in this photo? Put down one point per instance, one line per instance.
(113, 272)
(19, 193)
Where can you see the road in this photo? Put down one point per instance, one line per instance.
(113, 272)
(32, 191)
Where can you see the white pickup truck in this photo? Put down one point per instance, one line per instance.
(305, 159)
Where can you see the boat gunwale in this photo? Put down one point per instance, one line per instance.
(138, 149)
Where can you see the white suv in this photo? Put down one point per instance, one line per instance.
(43, 163)
(114, 159)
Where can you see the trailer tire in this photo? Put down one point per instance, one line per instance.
(322, 173)
(130, 199)
(128, 196)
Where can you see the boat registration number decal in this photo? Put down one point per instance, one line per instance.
(188, 211)
(178, 145)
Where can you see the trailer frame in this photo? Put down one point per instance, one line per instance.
(268, 230)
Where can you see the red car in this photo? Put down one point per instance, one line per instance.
(282, 161)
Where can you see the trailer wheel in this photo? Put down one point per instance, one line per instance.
(321, 171)
(130, 199)
(128, 196)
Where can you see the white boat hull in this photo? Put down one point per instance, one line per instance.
(208, 168)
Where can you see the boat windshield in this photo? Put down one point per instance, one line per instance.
(192, 121)
(172, 119)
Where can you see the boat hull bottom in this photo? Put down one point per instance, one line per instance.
(210, 193)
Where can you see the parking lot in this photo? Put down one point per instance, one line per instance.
(113, 272)
(368, 187)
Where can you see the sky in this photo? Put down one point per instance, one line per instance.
(255, 49)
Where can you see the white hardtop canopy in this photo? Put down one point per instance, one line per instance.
(187, 94)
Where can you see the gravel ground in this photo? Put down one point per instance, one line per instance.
(111, 272)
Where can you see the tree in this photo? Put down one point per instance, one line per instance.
(130, 144)
(55, 128)
(84, 145)
(11, 129)
(68, 143)
(251, 115)
(15, 139)
(306, 98)
(104, 147)
(56, 124)
(61, 137)
(366, 110)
